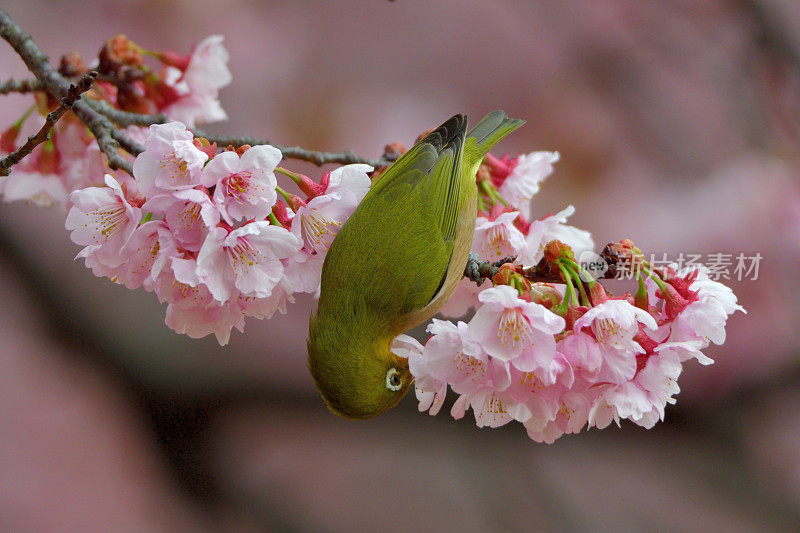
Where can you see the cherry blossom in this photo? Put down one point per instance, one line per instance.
(170, 160)
(197, 83)
(102, 220)
(497, 238)
(189, 213)
(317, 222)
(197, 322)
(244, 186)
(245, 260)
(42, 190)
(552, 228)
(522, 183)
(614, 323)
(514, 330)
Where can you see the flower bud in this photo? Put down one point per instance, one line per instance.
(282, 214)
(117, 52)
(203, 144)
(72, 65)
(393, 151)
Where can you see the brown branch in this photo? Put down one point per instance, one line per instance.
(295, 152)
(15, 86)
(73, 94)
(124, 118)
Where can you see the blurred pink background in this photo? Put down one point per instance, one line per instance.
(678, 126)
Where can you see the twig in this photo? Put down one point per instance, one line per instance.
(23, 86)
(123, 118)
(295, 152)
(73, 94)
(478, 271)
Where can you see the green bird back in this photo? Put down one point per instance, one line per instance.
(394, 263)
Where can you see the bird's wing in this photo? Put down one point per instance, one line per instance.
(431, 168)
(412, 211)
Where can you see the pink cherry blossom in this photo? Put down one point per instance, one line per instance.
(208, 65)
(498, 238)
(523, 182)
(196, 322)
(551, 228)
(188, 212)
(350, 183)
(266, 307)
(198, 85)
(246, 260)
(191, 309)
(317, 223)
(641, 400)
(614, 323)
(571, 416)
(170, 160)
(496, 408)
(583, 351)
(464, 298)
(81, 163)
(514, 330)
(244, 185)
(430, 391)
(42, 190)
(179, 284)
(102, 220)
(150, 247)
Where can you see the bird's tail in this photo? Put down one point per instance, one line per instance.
(486, 134)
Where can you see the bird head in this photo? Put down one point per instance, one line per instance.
(357, 381)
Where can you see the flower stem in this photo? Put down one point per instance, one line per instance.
(274, 220)
(579, 282)
(284, 194)
(569, 294)
(492, 193)
(585, 275)
(24, 117)
(294, 176)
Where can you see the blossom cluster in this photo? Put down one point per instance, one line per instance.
(184, 88)
(558, 357)
(206, 231)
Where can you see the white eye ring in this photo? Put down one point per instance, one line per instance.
(394, 382)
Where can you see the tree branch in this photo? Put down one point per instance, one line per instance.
(123, 118)
(73, 94)
(24, 86)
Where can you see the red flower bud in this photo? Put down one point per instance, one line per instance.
(202, 144)
(282, 214)
(117, 52)
(72, 65)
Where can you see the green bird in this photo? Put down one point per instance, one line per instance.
(394, 263)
